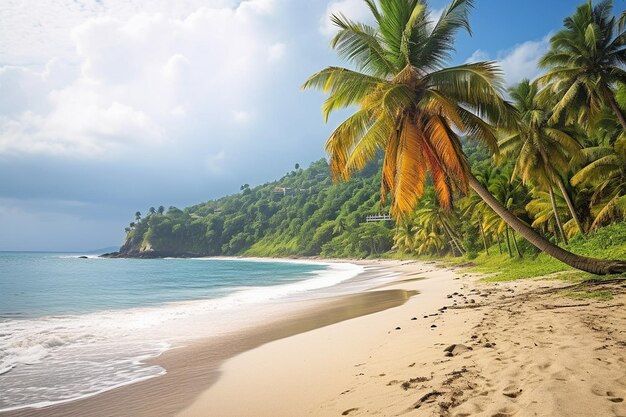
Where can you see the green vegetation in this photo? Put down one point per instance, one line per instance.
(607, 242)
(586, 295)
(303, 213)
(411, 104)
(531, 186)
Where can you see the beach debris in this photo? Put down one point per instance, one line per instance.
(348, 411)
(414, 318)
(432, 326)
(398, 328)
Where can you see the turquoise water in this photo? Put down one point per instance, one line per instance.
(72, 327)
(40, 284)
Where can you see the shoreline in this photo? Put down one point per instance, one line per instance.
(460, 347)
(210, 352)
(518, 348)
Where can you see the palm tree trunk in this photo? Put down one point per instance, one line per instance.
(556, 215)
(508, 241)
(452, 242)
(516, 246)
(451, 235)
(594, 266)
(482, 233)
(556, 235)
(570, 205)
(499, 246)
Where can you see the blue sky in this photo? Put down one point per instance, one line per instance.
(112, 106)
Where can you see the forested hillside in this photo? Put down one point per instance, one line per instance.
(552, 169)
(303, 213)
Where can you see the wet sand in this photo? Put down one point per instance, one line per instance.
(437, 342)
(461, 348)
(194, 368)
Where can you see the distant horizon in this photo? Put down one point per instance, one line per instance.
(86, 251)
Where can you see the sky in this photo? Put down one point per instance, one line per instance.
(112, 106)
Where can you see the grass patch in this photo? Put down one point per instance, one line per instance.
(587, 295)
(607, 243)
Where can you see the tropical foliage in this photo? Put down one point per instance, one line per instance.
(466, 167)
(411, 106)
(303, 213)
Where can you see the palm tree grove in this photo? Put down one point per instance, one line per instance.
(557, 139)
(468, 167)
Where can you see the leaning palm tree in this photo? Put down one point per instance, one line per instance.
(584, 63)
(410, 105)
(541, 151)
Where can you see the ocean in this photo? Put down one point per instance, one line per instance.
(73, 327)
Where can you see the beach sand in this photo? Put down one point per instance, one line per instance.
(521, 349)
(434, 343)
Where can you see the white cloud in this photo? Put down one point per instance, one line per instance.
(519, 62)
(352, 9)
(34, 31)
(143, 78)
(242, 116)
(276, 51)
(478, 56)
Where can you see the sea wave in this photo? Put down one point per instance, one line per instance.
(49, 360)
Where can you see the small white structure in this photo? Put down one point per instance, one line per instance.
(378, 218)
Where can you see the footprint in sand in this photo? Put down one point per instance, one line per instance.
(512, 391)
(505, 412)
(611, 396)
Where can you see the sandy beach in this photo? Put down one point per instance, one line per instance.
(435, 342)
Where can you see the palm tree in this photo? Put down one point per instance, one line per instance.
(428, 243)
(512, 195)
(431, 218)
(541, 151)
(403, 239)
(544, 209)
(410, 105)
(151, 210)
(585, 62)
(606, 174)
(161, 210)
(474, 209)
(138, 216)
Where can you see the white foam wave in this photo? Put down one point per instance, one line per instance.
(95, 352)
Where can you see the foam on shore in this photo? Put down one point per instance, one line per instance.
(55, 359)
